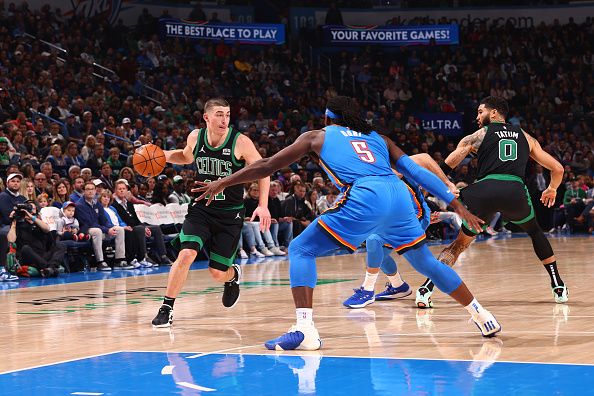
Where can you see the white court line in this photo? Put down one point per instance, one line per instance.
(87, 393)
(378, 314)
(221, 351)
(197, 387)
(59, 362)
(321, 352)
(165, 369)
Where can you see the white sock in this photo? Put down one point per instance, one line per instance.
(369, 282)
(395, 280)
(304, 316)
(474, 307)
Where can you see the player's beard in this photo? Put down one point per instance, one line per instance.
(486, 120)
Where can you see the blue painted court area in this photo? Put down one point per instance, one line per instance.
(157, 373)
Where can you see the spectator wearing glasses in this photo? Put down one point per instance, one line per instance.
(40, 182)
(93, 221)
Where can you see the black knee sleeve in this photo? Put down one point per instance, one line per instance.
(541, 244)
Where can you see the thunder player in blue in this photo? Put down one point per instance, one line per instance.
(375, 201)
(378, 252)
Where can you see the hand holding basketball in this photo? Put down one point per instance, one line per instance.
(149, 160)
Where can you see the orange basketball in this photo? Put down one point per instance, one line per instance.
(149, 160)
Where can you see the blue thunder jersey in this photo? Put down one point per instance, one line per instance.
(374, 199)
(348, 155)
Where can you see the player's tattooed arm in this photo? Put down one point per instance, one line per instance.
(425, 160)
(469, 144)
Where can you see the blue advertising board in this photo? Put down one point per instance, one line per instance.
(392, 35)
(449, 124)
(253, 33)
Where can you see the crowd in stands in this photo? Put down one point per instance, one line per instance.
(68, 134)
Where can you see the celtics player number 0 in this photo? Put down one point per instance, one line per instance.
(508, 150)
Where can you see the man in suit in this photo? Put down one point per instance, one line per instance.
(537, 183)
(295, 208)
(93, 221)
(106, 176)
(127, 213)
(9, 198)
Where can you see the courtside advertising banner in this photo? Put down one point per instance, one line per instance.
(449, 124)
(254, 33)
(391, 35)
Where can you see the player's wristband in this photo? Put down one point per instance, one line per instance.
(445, 168)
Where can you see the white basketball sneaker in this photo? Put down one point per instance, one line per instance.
(301, 337)
(561, 294)
(486, 322)
(423, 298)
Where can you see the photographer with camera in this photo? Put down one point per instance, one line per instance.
(8, 200)
(35, 243)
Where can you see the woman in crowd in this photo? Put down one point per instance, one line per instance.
(150, 182)
(17, 143)
(62, 192)
(28, 189)
(88, 148)
(127, 174)
(72, 156)
(58, 160)
(311, 200)
(133, 253)
(28, 171)
(143, 192)
(160, 193)
(32, 145)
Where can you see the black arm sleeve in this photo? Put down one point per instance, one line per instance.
(445, 168)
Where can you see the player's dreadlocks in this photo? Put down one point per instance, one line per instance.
(347, 114)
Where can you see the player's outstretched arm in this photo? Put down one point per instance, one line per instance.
(425, 160)
(309, 141)
(247, 151)
(429, 182)
(467, 145)
(186, 155)
(550, 163)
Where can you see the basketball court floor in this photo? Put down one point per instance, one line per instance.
(90, 334)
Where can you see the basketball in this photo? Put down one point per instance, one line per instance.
(149, 160)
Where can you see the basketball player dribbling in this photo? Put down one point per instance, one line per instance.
(503, 152)
(218, 151)
(374, 201)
